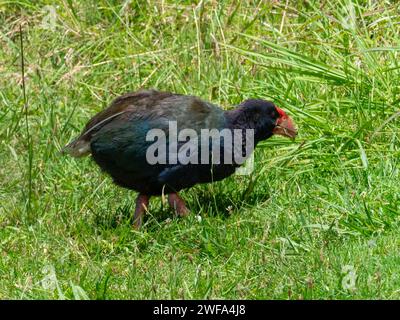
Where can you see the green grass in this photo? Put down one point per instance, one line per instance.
(315, 214)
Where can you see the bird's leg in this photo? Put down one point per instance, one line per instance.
(142, 202)
(176, 202)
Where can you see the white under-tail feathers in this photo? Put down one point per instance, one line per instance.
(80, 147)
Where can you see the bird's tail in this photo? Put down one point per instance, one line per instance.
(77, 148)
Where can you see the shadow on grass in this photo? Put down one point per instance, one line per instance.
(224, 203)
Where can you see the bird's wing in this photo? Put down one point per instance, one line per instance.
(128, 103)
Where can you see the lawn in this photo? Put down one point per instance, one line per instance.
(317, 219)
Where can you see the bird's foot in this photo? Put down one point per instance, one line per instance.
(178, 204)
(142, 202)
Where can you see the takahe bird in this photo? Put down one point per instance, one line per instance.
(118, 140)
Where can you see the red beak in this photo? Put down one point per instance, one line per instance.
(285, 126)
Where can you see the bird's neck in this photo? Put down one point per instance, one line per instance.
(241, 118)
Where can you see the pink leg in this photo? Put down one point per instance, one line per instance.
(176, 202)
(142, 202)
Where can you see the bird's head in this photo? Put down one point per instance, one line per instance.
(267, 119)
